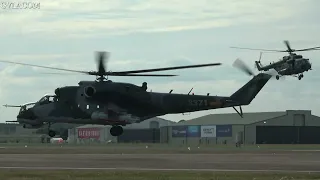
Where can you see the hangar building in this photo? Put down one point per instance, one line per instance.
(291, 126)
(147, 131)
(283, 127)
(15, 133)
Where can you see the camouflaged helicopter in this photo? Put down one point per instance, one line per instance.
(119, 103)
(291, 65)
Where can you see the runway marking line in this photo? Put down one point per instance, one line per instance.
(153, 169)
(171, 154)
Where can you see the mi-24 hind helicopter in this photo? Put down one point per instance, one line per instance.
(118, 103)
(291, 65)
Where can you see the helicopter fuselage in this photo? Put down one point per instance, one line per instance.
(288, 67)
(293, 64)
(114, 103)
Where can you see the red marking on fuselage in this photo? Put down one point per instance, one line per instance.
(215, 103)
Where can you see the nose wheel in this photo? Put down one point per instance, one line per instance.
(116, 130)
(300, 76)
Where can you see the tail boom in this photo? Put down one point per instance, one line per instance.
(250, 90)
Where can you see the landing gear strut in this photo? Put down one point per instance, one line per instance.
(300, 76)
(51, 133)
(116, 130)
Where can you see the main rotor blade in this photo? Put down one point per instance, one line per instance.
(165, 69)
(286, 42)
(308, 49)
(62, 69)
(72, 74)
(110, 74)
(293, 50)
(258, 49)
(101, 58)
(155, 75)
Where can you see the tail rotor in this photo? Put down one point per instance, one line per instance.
(239, 64)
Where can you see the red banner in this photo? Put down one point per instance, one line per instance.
(85, 133)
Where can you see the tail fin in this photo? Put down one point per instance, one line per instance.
(258, 65)
(248, 92)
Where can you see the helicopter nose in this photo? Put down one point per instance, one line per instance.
(27, 114)
(309, 66)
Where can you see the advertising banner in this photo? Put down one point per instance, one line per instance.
(179, 131)
(224, 130)
(85, 133)
(193, 131)
(208, 131)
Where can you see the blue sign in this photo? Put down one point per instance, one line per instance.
(224, 130)
(179, 131)
(193, 131)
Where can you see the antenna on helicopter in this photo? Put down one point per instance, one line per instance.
(6, 105)
(190, 91)
(188, 94)
(260, 56)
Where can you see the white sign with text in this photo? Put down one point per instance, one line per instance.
(208, 131)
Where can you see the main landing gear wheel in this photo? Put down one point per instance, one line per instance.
(277, 77)
(116, 130)
(300, 76)
(51, 133)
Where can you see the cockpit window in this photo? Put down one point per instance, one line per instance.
(26, 107)
(44, 100)
(48, 99)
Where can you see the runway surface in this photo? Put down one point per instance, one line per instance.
(278, 162)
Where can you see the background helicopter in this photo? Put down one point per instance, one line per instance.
(293, 64)
(118, 103)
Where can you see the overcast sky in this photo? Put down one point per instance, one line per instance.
(156, 33)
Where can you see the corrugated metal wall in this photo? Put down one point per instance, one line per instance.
(292, 119)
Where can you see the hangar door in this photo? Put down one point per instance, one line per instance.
(309, 135)
(276, 134)
(288, 135)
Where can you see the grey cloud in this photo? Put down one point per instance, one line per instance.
(148, 16)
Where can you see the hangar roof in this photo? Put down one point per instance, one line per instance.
(232, 118)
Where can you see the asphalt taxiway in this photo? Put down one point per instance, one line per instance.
(295, 161)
